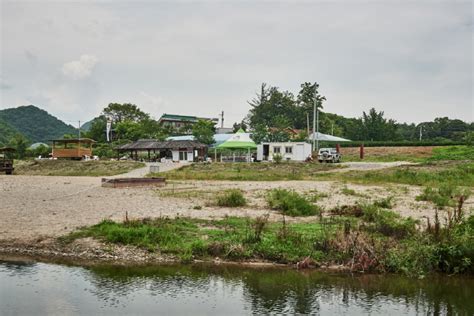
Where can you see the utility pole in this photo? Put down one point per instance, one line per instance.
(314, 119)
(307, 123)
(421, 132)
(79, 129)
(222, 119)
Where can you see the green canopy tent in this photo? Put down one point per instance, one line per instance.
(239, 141)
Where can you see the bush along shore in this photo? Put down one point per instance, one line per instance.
(360, 238)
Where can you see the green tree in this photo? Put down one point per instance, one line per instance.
(124, 112)
(242, 125)
(203, 132)
(20, 143)
(259, 134)
(376, 127)
(305, 102)
(98, 129)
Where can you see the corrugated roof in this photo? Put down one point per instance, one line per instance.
(190, 118)
(74, 140)
(150, 144)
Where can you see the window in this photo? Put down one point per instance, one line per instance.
(289, 149)
(183, 155)
(276, 150)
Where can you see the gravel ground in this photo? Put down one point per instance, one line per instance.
(33, 207)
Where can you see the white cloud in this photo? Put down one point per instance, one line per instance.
(80, 69)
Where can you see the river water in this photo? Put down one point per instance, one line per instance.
(31, 288)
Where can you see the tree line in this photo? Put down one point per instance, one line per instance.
(274, 111)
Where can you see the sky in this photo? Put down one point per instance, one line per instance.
(411, 59)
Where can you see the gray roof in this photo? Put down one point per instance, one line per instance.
(146, 144)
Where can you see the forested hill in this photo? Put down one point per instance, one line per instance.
(34, 123)
(6, 132)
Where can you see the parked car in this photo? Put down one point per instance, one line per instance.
(6, 160)
(329, 155)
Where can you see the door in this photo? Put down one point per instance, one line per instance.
(266, 151)
(299, 152)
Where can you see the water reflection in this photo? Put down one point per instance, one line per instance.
(229, 290)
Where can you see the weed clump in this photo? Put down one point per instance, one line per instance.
(388, 223)
(231, 198)
(346, 191)
(443, 196)
(384, 202)
(291, 203)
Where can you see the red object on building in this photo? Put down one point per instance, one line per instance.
(362, 151)
(338, 148)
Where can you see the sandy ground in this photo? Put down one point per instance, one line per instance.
(44, 206)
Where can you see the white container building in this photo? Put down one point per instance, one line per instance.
(296, 151)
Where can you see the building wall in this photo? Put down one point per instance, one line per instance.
(298, 152)
(186, 155)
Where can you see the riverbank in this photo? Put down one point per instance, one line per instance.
(369, 239)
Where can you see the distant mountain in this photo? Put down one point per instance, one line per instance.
(86, 126)
(34, 123)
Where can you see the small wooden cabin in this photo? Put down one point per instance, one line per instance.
(74, 148)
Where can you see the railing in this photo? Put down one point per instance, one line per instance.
(71, 152)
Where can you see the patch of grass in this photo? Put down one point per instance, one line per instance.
(346, 191)
(75, 168)
(453, 153)
(291, 203)
(384, 202)
(443, 196)
(454, 173)
(314, 196)
(248, 172)
(231, 198)
(388, 223)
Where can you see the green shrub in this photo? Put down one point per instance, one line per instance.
(291, 203)
(277, 158)
(388, 222)
(443, 196)
(231, 198)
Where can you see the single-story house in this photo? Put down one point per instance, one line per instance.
(296, 151)
(175, 150)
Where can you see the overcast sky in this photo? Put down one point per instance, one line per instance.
(413, 61)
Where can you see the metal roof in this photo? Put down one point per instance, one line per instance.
(327, 138)
(150, 144)
(184, 118)
(74, 140)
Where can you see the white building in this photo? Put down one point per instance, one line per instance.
(289, 151)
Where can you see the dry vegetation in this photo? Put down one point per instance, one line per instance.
(74, 168)
(407, 153)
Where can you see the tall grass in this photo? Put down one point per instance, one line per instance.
(291, 203)
(231, 198)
